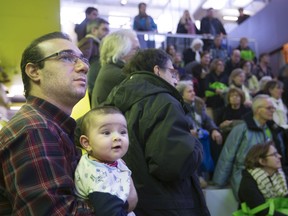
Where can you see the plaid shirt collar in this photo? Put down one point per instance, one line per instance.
(52, 112)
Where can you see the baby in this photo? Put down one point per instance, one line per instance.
(101, 176)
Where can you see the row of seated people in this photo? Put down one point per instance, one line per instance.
(232, 58)
(219, 48)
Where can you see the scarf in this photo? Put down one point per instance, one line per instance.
(270, 186)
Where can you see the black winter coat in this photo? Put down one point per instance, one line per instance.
(163, 155)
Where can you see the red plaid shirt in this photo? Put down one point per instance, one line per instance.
(38, 158)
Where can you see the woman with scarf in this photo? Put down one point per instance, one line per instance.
(263, 177)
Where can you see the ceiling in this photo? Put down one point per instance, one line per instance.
(167, 12)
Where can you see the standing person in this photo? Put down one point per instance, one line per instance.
(37, 154)
(116, 50)
(186, 24)
(242, 16)
(89, 45)
(144, 23)
(101, 176)
(91, 13)
(163, 155)
(211, 26)
(263, 177)
(256, 128)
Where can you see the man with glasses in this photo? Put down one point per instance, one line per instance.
(37, 153)
(258, 127)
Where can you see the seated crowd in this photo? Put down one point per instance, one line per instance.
(160, 128)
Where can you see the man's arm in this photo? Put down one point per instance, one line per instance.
(108, 204)
(39, 175)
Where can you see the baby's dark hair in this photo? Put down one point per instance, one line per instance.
(103, 110)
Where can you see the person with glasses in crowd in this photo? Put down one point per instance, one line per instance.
(37, 153)
(263, 177)
(163, 155)
(258, 127)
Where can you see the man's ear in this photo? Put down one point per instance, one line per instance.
(84, 141)
(32, 72)
(156, 70)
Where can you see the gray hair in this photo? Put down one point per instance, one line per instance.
(197, 41)
(182, 85)
(116, 45)
(258, 101)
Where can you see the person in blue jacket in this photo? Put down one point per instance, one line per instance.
(258, 127)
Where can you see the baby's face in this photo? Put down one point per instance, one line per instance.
(108, 137)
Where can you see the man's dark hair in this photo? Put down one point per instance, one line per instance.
(89, 10)
(33, 53)
(140, 4)
(146, 60)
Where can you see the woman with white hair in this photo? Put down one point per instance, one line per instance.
(194, 52)
(116, 50)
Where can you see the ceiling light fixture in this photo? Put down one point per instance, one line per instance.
(230, 18)
(215, 4)
(123, 2)
(241, 3)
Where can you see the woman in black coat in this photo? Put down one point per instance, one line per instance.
(163, 155)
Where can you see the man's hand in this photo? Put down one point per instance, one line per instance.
(216, 136)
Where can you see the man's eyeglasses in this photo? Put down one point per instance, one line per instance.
(274, 154)
(173, 72)
(66, 56)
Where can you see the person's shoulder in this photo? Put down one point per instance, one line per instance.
(27, 118)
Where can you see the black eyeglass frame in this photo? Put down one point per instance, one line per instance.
(69, 53)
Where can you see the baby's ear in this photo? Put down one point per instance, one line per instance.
(84, 141)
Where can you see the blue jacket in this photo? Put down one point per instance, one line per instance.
(144, 23)
(238, 143)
